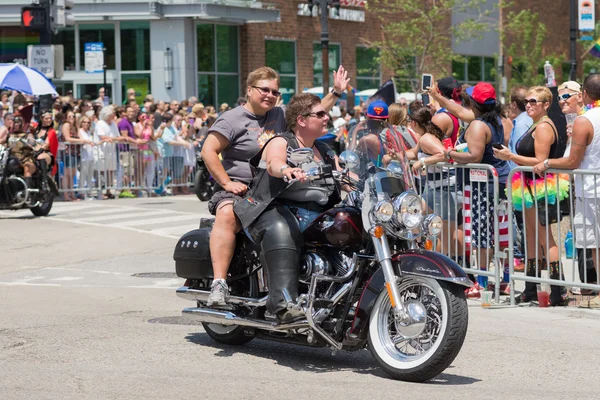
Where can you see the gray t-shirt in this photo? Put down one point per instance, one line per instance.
(246, 133)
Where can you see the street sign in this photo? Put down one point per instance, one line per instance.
(34, 18)
(94, 57)
(41, 58)
(587, 15)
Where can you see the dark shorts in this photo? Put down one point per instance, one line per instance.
(71, 160)
(219, 197)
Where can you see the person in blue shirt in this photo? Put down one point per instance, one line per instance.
(521, 121)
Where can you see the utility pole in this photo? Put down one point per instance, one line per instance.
(501, 49)
(573, 39)
(323, 8)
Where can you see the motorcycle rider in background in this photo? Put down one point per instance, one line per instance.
(283, 210)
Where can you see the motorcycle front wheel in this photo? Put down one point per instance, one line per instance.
(43, 209)
(419, 352)
(203, 186)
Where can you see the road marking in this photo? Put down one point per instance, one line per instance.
(155, 221)
(176, 230)
(111, 216)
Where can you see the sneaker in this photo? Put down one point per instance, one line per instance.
(219, 292)
(474, 292)
(126, 194)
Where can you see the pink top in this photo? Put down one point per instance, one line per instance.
(146, 135)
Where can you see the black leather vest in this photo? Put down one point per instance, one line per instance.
(265, 188)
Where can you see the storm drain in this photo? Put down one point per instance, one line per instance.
(163, 275)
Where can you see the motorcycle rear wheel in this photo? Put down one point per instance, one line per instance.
(233, 334)
(428, 354)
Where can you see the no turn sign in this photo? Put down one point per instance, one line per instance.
(41, 58)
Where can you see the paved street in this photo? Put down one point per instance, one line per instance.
(88, 311)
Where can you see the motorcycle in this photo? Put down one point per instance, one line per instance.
(368, 275)
(204, 184)
(15, 193)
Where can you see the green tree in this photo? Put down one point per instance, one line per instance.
(417, 34)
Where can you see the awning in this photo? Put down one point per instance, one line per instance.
(231, 11)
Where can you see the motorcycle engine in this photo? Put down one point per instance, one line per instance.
(324, 262)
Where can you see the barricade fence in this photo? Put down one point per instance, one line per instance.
(470, 200)
(91, 169)
(556, 217)
(499, 231)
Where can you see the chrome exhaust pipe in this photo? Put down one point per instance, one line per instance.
(202, 295)
(211, 316)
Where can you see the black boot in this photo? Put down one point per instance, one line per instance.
(530, 292)
(558, 294)
(282, 273)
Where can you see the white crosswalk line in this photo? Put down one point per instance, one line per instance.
(156, 221)
(111, 216)
(176, 230)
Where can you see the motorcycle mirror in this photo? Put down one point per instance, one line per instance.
(395, 168)
(349, 160)
(302, 156)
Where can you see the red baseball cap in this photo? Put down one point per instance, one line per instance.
(482, 93)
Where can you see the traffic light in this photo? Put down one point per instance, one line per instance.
(60, 11)
(34, 18)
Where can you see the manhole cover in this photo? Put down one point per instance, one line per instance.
(155, 275)
(173, 321)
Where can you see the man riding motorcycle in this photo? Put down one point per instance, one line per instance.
(275, 212)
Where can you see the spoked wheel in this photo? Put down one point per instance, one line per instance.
(422, 350)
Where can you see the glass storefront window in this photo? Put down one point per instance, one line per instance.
(135, 46)
(66, 37)
(281, 56)
(458, 71)
(367, 68)
(139, 82)
(335, 58)
(206, 89)
(205, 49)
(104, 33)
(227, 48)
(13, 44)
(218, 76)
(474, 69)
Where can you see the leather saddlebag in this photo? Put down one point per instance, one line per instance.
(192, 255)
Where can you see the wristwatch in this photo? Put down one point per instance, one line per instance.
(336, 94)
(283, 168)
(546, 162)
(447, 154)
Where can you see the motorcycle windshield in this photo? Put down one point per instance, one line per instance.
(380, 147)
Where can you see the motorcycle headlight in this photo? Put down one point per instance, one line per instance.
(383, 211)
(408, 209)
(432, 225)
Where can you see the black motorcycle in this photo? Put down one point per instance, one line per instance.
(204, 184)
(366, 280)
(15, 193)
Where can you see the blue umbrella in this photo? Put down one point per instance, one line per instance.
(26, 80)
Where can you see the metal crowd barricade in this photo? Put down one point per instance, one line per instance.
(91, 169)
(438, 185)
(546, 207)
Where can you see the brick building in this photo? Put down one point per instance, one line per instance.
(180, 48)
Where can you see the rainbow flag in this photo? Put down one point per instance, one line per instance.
(595, 49)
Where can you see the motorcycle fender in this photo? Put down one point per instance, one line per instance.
(412, 262)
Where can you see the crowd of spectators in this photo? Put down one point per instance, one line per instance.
(127, 150)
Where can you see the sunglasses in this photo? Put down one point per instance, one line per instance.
(318, 114)
(533, 102)
(566, 96)
(265, 91)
